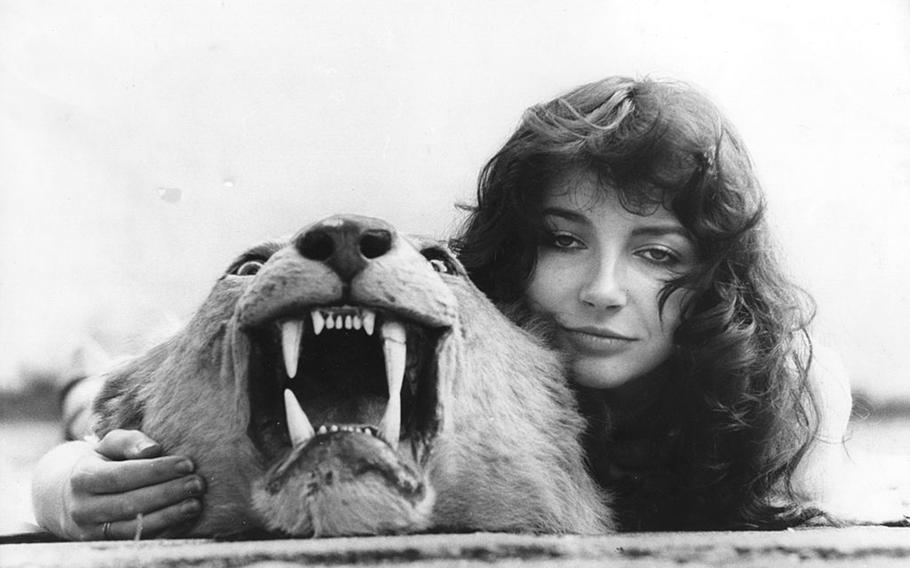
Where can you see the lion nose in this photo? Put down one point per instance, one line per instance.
(347, 244)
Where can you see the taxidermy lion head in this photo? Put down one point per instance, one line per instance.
(351, 380)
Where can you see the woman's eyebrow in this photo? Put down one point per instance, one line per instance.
(662, 230)
(656, 230)
(566, 214)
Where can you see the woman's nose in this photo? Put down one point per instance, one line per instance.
(605, 286)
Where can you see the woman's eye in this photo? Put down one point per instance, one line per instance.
(249, 268)
(565, 241)
(659, 255)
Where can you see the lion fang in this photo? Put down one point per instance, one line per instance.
(299, 427)
(291, 332)
(394, 346)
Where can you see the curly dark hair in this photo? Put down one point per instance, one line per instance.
(742, 413)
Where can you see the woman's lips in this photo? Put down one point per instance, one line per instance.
(596, 341)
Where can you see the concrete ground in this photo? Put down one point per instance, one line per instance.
(858, 546)
(883, 444)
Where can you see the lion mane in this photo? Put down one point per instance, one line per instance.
(434, 411)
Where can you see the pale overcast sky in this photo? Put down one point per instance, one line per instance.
(143, 144)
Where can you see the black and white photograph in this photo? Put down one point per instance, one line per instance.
(455, 283)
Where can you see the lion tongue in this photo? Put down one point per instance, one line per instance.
(299, 427)
(394, 346)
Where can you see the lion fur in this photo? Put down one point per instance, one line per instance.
(513, 378)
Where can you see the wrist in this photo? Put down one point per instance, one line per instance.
(51, 486)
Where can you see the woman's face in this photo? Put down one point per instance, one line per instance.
(599, 274)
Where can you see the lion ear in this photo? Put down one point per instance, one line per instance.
(119, 404)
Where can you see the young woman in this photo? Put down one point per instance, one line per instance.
(626, 215)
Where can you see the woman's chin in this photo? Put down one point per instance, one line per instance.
(600, 374)
(613, 371)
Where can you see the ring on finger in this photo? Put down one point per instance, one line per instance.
(106, 530)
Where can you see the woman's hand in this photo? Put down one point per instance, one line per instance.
(85, 491)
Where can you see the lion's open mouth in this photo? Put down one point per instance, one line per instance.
(345, 367)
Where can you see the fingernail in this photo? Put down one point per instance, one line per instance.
(184, 466)
(143, 447)
(193, 486)
(191, 507)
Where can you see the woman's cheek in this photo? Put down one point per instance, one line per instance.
(544, 285)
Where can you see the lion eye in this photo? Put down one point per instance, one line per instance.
(249, 268)
(440, 266)
(440, 260)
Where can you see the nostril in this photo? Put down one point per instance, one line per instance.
(317, 245)
(375, 243)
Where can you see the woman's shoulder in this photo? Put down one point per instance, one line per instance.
(827, 477)
(829, 386)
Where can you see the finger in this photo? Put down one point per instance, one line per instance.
(128, 444)
(96, 476)
(125, 506)
(169, 521)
